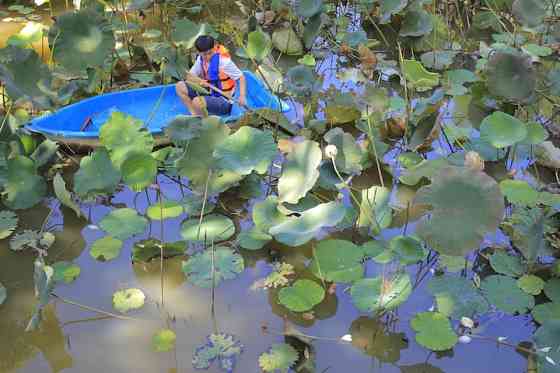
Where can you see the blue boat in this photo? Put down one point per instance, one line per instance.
(78, 124)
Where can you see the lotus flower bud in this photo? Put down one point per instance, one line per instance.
(473, 161)
(331, 151)
(467, 322)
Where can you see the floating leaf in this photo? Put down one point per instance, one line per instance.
(128, 299)
(164, 340)
(123, 223)
(506, 264)
(287, 41)
(464, 201)
(502, 130)
(139, 171)
(146, 250)
(510, 75)
(302, 296)
(457, 296)
(424, 169)
(552, 289)
(375, 212)
(8, 223)
(24, 188)
(504, 293)
(227, 265)
(531, 284)
(546, 311)
(266, 214)
(223, 347)
(372, 337)
(297, 231)
(519, 192)
(381, 293)
(65, 271)
(280, 357)
(300, 80)
(253, 239)
(97, 174)
(299, 172)
(416, 23)
(214, 228)
(433, 331)
(106, 248)
(307, 60)
(259, 45)
(349, 155)
(420, 78)
(246, 150)
(337, 261)
(64, 195)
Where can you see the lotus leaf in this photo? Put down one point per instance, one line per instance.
(97, 174)
(246, 150)
(31, 239)
(123, 223)
(381, 293)
(546, 311)
(506, 264)
(307, 60)
(454, 82)
(24, 188)
(433, 331)
(44, 283)
(302, 296)
(259, 45)
(280, 357)
(287, 41)
(139, 171)
(349, 157)
(253, 239)
(372, 337)
(464, 201)
(375, 212)
(552, 289)
(183, 128)
(300, 80)
(416, 23)
(452, 263)
(438, 60)
(390, 7)
(312, 30)
(65, 271)
(185, 32)
(164, 340)
(8, 223)
(457, 296)
(193, 205)
(548, 336)
(300, 171)
(379, 251)
(510, 75)
(530, 13)
(424, 169)
(519, 192)
(81, 39)
(502, 130)
(503, 292)
(266, 214)
(527, 232)
(408, 249)
(536, 134)
(337, 261)
(44, 152)
(531, 284)
(308, 8)
(227, 265)
(123, 136)
(214, 228)
(297, 231)
(128, 299)
(146, 250)
(3, 294)
(223, 347)
(164, 210)
(420, 78)
(106, 248)
(64, 195)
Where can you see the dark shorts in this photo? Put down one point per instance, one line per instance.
(214, 104)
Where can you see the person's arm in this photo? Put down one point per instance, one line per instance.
(234, 73)
(242, 91)
(195, 73)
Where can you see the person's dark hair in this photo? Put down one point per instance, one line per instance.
(204, 43)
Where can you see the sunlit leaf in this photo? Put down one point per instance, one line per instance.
(139, 171)
(337, 261)
(502, 130)
(128, 299)
(164, 210)
(433, 331)
(164, 340)
(381, 293)
(123, 223)
(420, 78)
(106, 248)
(214, 228)
(299, 172)
(279, 357)
(531, 284)
(302, 296)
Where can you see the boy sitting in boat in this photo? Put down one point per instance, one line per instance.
(213, 68)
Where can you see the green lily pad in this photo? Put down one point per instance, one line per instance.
(106, 248)
(146, 250)
(452, 263)
(24, 187)
(64, 195)
(214, 228)
(433, 331)
(349, 156)
(420, 78)
(300, 171)
(416, 23)
(312, 30)
(308, 8)
(547, 336)
(8, 223)
(302, 296)
(224, 347)
(375, 212)
(97, 174)
(506, 264)
(164, 340)
(287, 41)
(381, 293)
(504, 293)
(408, 249)
(165, 210)
(546, 311)
(297, 231)
(379, 251)
(259, 45)
(185, 32)
(531, 284)
(424, 169)
(266, 214)
(552, 289)
(65, 271)
(123, 135)
(3, 294)
(81, 39)
(457, 296)
(123, 223)
(464, 201)
(128, 299)
(253, 239)
(337, 261)
(536, 134)
(246, 150)
(227, 265)
(139, 171)
(502, 130)
(553, 79)
(510, 75)
(519, 192)
(280, 357)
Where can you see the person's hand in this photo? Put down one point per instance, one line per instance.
(242, 101)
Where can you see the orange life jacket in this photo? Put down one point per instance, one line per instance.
(214, 74)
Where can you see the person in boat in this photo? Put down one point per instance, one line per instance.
(213, 66)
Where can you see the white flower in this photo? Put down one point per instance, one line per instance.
(467, 322)
(346, 338)
(465, 339)
(331, 151)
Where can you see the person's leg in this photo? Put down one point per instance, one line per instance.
(189, 97)
(216, 105)
(199, 103)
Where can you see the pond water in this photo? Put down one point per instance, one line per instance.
(74, 339)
